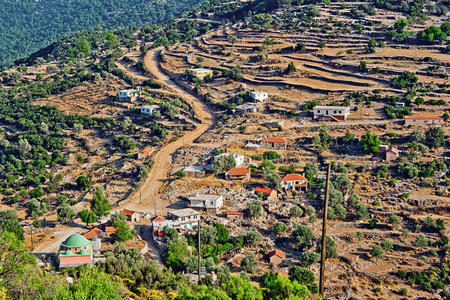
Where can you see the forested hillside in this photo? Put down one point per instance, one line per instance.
(30, 25)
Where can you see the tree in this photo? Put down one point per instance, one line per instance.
(377, 251)
(65, 213)
(405, 80)
(224, 163)
(118, 217)
(362, 212)
(14, 256)
(295, 211)
(10, 223)
(240, 288)
(253, 237)
(418, 136)
(223, 235)
(87, 216)
(291, 68)
(269, 155)
(208, 235)
(254, 209)
(272, 178)
(394, 220)
(353, 200)
(249, 263)
(123, 232)
(279, 287)
(363, 66)
(435, 137)
(35, 208)
(84, 182)
(370, 143)
(340, 211)
(279, 228)
(421, 240)
(308, 258)
(311, 170)
(301, 275)
(387, 245)
(100, 204)
(330, 247)
(302, 236)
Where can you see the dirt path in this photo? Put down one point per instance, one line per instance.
(162, 160)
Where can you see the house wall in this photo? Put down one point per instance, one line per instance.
(275, 260)
(423, 121)
(66, 261)
(268, 145)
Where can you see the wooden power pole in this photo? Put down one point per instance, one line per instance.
(199, 250)
(324, 233)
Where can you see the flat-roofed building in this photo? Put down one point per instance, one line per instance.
(211, 203)
(423, 120)
(336, 113)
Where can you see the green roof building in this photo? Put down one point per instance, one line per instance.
(75, 251)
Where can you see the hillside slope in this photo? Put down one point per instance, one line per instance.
(30, 25)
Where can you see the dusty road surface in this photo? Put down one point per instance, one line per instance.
(162, 160)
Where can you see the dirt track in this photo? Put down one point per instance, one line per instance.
(162, 160)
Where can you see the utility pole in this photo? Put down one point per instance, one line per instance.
(140, 193)
(199, 250)
(324, 233)
(32, 243)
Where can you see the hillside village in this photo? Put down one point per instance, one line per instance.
(228, 118)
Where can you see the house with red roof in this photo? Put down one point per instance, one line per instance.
(144, 153)
(95, 236)
(235, 214)
(238, 174)
(391, 153)
(267, 193)
(132, 216)
(423, 120)
(274, 143)
(276, 257)
(295, 182)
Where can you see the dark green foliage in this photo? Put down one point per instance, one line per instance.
(302, 236)
(28, 26)
(279, 287)
(10, 223)
(406, 80)
(370, 142)
(434, 33)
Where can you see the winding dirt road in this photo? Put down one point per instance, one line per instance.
(162, 160)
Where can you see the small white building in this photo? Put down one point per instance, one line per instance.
(238, 158)
(209, 202)
(246, 108)
(186, 218)
(336, 113)
(258, 96)
(149, 109)
(127, 95)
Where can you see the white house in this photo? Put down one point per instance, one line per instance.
(127, 95)
(185, 218)
(294, 182)
(258, 96)
(208, 202)
(238, 158)
(336, 113)
(149, 109)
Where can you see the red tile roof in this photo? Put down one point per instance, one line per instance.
(293, 177)
(110, 229)
(128, 212)
(93, 233)
(147, 150)
(274, 140)
(277, 252)
(263, 190)
(235, 213)
(238, 172)
(159, 219)
(424, 117)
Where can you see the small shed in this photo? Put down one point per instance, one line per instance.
(276, 257)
